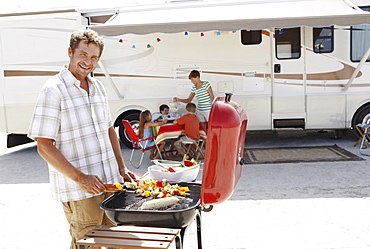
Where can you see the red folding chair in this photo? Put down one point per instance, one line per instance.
(138, 143)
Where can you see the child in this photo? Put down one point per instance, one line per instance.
(191, 127)
(163, 110)
(145, 131)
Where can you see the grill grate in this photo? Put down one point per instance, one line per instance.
(183, 203)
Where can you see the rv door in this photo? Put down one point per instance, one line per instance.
(288, 77)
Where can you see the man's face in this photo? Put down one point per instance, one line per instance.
(84, 59)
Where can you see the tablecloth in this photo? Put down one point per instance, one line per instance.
(170, 131)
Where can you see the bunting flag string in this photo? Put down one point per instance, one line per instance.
(149, 44)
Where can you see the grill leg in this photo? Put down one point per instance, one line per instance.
(198, 218)
(179, 240)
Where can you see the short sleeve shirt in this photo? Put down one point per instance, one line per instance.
(191, 126)
(78, 122)
(202, 94)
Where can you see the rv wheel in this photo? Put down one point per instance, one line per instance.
(134, 118)
(362, 116)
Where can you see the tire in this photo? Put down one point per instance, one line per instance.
(362, 116)
(134, 118)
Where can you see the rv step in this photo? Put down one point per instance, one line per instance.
(291, 132)
(289, 123)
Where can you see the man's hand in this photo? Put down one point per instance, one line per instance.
(126, 174)
(91, 184)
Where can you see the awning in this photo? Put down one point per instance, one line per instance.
(200, 16)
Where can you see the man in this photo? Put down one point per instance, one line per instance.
(73, 129)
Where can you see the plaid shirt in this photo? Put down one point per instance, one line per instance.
(78, 123)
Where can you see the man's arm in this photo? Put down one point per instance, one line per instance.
(125, 173)
(89, 183)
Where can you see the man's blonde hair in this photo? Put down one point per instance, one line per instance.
(88, 36)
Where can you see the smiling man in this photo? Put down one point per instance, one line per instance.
(73, 128)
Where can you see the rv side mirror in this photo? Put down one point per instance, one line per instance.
(319, 46)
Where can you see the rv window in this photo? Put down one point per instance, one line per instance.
(360, 41)
(323, 39)
(288, 43)
(251, 37)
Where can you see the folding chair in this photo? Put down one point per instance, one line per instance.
(365, 142)
(138, 143)
(360, 130)
(198, 148)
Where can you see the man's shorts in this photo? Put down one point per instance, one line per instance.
(203, 115)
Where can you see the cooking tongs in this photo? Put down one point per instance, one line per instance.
(117, 187)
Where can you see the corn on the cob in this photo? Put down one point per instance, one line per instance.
(159, 203)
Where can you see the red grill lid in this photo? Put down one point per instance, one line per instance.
(224, 151)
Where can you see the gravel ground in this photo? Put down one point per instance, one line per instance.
(304, 205)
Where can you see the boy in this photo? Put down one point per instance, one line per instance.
(191, 127)
(163, 110)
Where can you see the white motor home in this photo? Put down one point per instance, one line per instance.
(288, 63)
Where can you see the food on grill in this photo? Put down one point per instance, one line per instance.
(130, 185)
(118, 185)
(159, 203)
(156, 189)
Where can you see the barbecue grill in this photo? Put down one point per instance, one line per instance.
(221, 172)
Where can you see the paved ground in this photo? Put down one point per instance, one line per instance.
(305, 205)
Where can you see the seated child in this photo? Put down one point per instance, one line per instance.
(145, 131)
(191, 127)
(163, 110)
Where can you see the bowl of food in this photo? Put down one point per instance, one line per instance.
(173, 172)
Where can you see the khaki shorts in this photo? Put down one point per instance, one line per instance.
(84, 215)
(202, 115)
